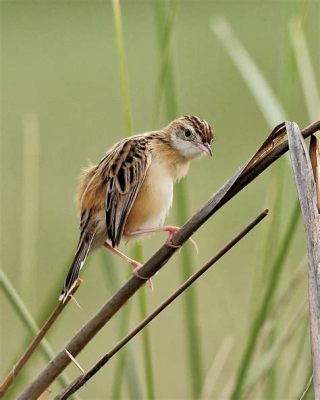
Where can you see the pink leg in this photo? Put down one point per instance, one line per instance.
(135, 264)
(172, 230)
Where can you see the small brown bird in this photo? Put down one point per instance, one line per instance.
(130, 191)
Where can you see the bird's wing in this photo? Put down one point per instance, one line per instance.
(124, 169)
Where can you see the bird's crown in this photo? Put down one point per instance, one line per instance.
(200, 126)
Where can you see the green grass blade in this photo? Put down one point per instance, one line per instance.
(306, 72)
(122, 362)
(128, 125)
(53, 292)
(262, 313)
(165, 25)
(273, 112)
(28, 322)
(189, 300)
(146, 342)
(269, 255)
(21, 309)
(126, 364)
(124, 82)
(272, 336)
(265, 362)
(147, 355)
(273, 201)
(271, 381)
(292, 373)
(125, 367)
(262, 92)
(192, 330)
(30, 207)
(216, 368)
(307, 392)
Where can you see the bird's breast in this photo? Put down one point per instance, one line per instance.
(153, 200)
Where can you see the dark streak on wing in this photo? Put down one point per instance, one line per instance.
(124, 176)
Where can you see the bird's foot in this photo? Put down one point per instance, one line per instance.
(136, 267)
(135, 264)
(167, 228)
(172, 230)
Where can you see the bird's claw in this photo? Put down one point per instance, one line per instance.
(135, 272)
(172, 231)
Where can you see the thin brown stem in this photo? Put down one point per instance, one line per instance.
(274, 147)
(82, 379)
(34, 344)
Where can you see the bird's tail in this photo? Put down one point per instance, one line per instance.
(77, 263)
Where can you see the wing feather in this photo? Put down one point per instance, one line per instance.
(125, 175)
(113, 185)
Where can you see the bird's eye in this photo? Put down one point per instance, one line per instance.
(187, 133)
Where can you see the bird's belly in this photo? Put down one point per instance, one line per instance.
(153, 201)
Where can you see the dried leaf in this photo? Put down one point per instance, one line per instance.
(304, 177)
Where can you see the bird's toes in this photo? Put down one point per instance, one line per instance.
(135, 272)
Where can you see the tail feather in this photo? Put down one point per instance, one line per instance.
(77, 263)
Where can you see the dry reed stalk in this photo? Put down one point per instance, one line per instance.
(273, 147)
(82, 379)
(306, 176)
(34, 344)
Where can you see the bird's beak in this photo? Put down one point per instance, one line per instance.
(206, 148)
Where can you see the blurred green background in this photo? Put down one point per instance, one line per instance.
(61, 107)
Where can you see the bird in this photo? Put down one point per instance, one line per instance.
(129, 192)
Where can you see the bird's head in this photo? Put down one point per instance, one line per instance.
(191, 136)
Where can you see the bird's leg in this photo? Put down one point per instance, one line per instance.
(135, 264)
(172, 230)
